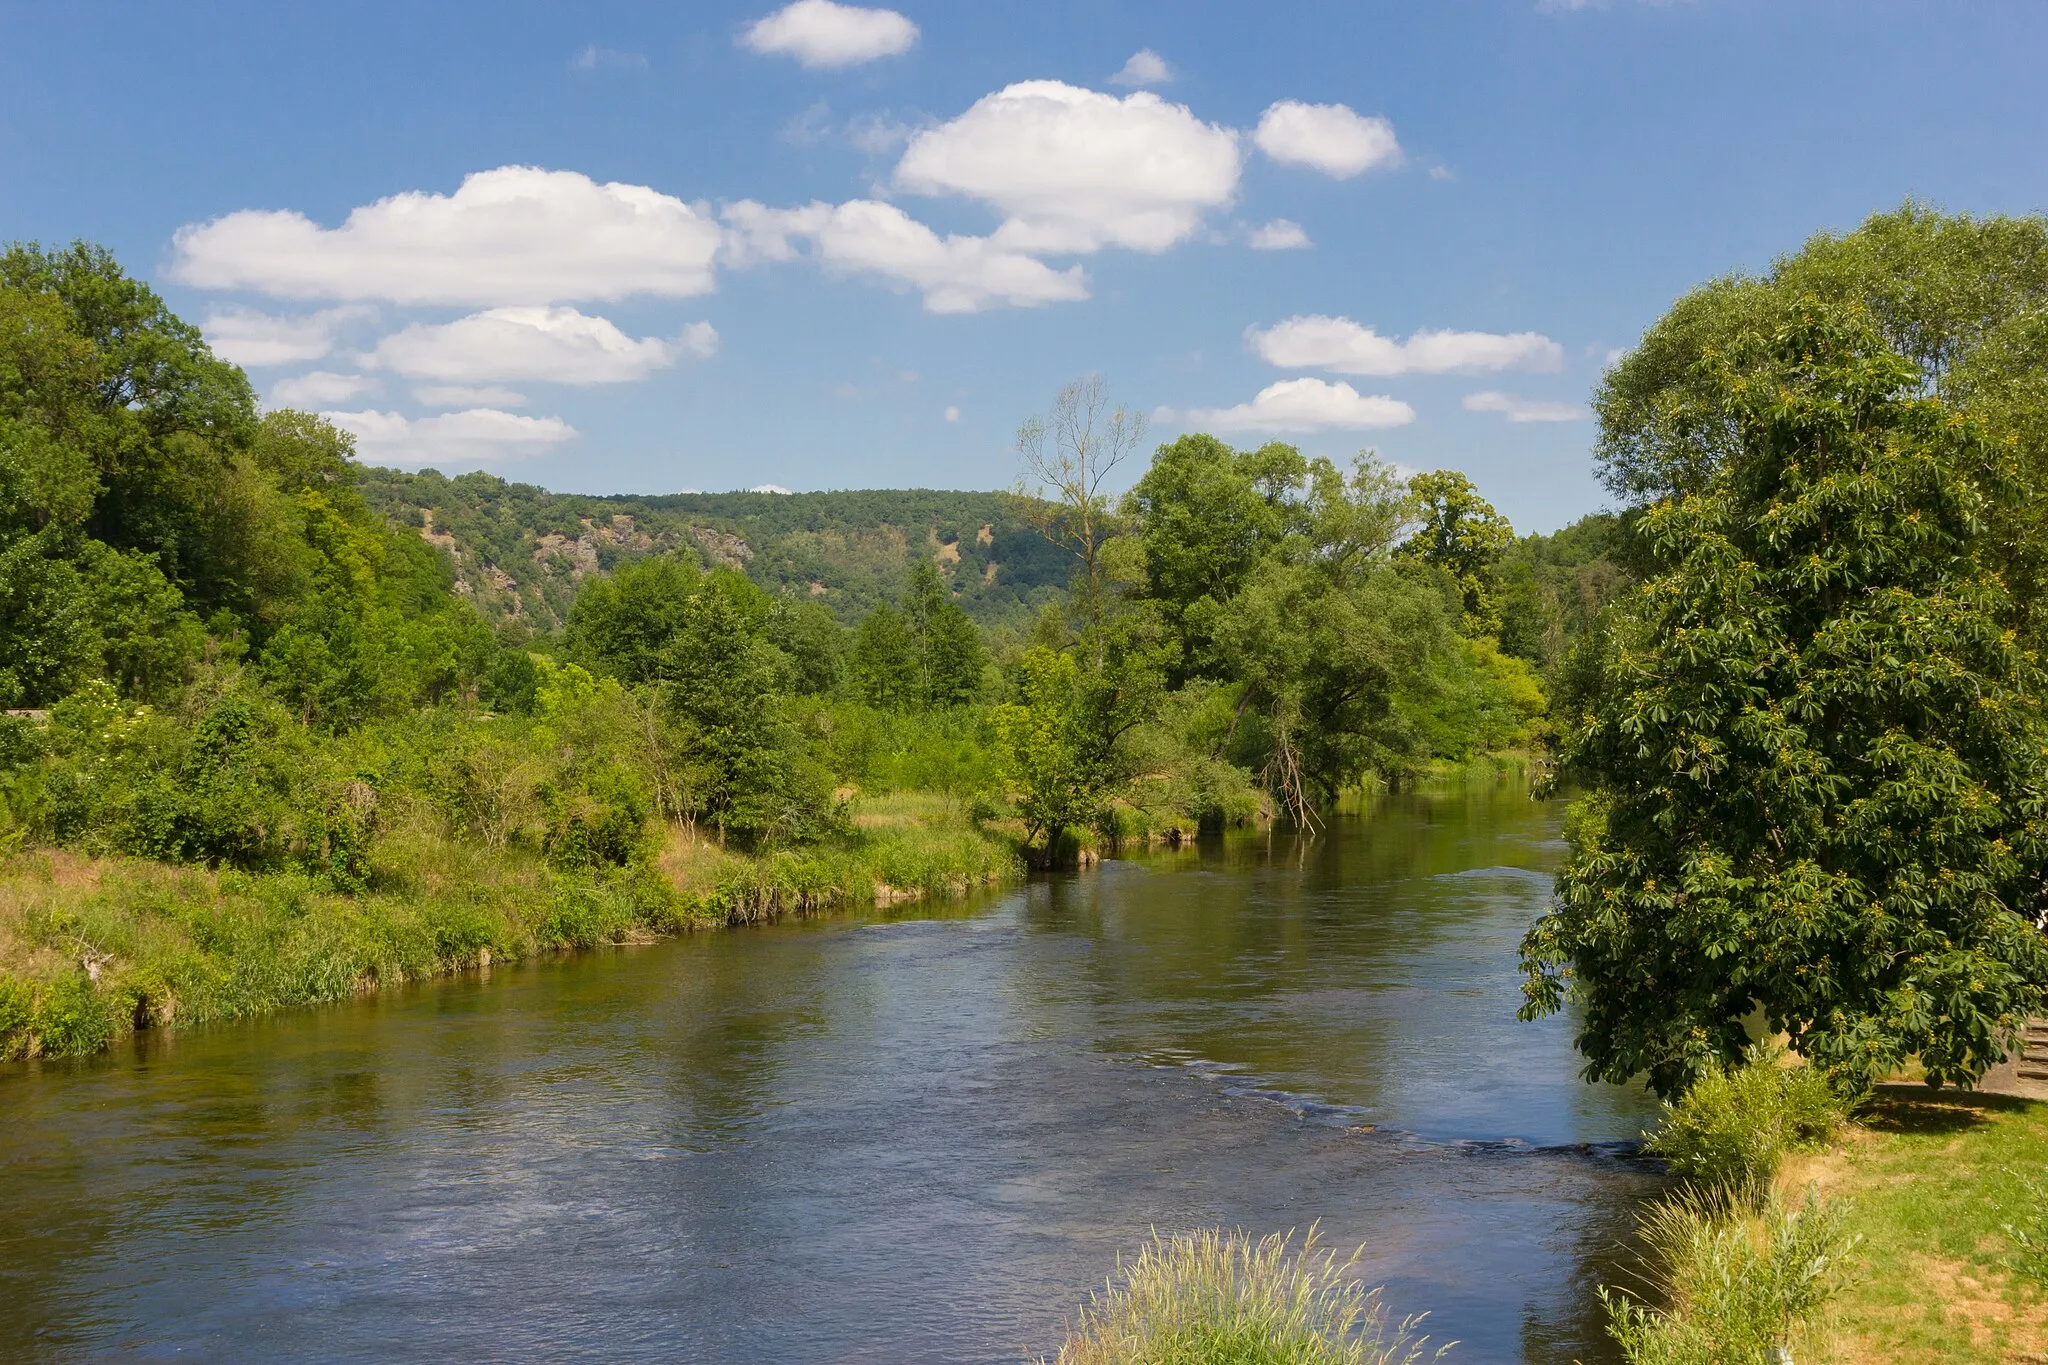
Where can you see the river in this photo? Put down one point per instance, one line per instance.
(908, 1137)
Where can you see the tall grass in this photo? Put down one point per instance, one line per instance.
(1217, 1298)
(1742, 1277)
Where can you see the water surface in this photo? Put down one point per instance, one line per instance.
(914, 1138)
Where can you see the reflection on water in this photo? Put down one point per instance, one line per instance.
(897, 1139)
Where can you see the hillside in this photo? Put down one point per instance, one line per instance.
(520, 552)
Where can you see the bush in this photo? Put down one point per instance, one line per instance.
(1741, 1282)
(1733, 1128)
(1221, 1297)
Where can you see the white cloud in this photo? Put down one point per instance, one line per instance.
(517, 234)
(1331, 138)
(476, 436)
(248, 336)
(469, 396)
(1075, 170)
(559, 345)
(768, 488)
(952, 414)
(1341, 346)
(319, 389)
(1281, 234)
(956, 274)
(877, 133)
(821, 33)
(1145, 67)
(1524, 409)
(1299, 406)
(595, 58)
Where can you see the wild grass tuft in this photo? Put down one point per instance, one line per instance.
(1218, 1298)
(1743, 1272)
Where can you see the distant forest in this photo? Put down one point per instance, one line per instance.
(520, 553)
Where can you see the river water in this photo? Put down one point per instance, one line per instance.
(917, 1137)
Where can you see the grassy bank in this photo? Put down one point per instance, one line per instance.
(1948, 1194)
(93, 948)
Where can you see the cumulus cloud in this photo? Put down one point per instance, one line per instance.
(554, 344)
(819, 33)
(475, 436)
(1145, 67)
(956, 274)
(1331, 138)
(769, 488)
(517, 234)
(1298, 406)
(321, 388)
(249, 336)
(1075, 170)
(1523, 409)
(1341, 346)
(1281, 234)
(469, 396)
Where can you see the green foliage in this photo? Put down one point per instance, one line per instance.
(1960, 300)
(1464, 537)
(1207, 515)
(623, 623)
(1732, 1129)
(1741, 1285)
(884, 663)
(721, 682)
(524, 553)
(1221, 1297)
(1052, 762)
(1815, 749)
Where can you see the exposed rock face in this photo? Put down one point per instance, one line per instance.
(723, 548)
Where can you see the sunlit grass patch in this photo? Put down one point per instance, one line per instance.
(1220, 1298)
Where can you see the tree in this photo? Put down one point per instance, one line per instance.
(622, 624)
(1206, 516)
(722, 681)
(1816, 757)
(884, 664)
(1464, 537)
(950, 656)
(1068, 457)
(1963, 300)
(1050, 754)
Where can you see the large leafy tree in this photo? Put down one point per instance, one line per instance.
(1817, 764)
(1964, 301)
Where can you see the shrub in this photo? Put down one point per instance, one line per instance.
(1214, 1296)
(1732, 1128)
(1741, 1282)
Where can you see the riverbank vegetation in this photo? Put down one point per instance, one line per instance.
(280, 728)
(1212, 1296)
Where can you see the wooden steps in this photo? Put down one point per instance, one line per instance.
(2032, 1061)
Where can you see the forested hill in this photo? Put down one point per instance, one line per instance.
(520, 552)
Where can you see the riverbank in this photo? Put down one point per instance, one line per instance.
(1936, 1185)
(94, 948)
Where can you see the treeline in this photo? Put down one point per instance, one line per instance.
(248, 662)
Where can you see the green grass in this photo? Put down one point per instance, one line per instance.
(94, 948)
(1937, 1184)
(1217, 1298)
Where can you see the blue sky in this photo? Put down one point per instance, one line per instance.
(855, 249)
